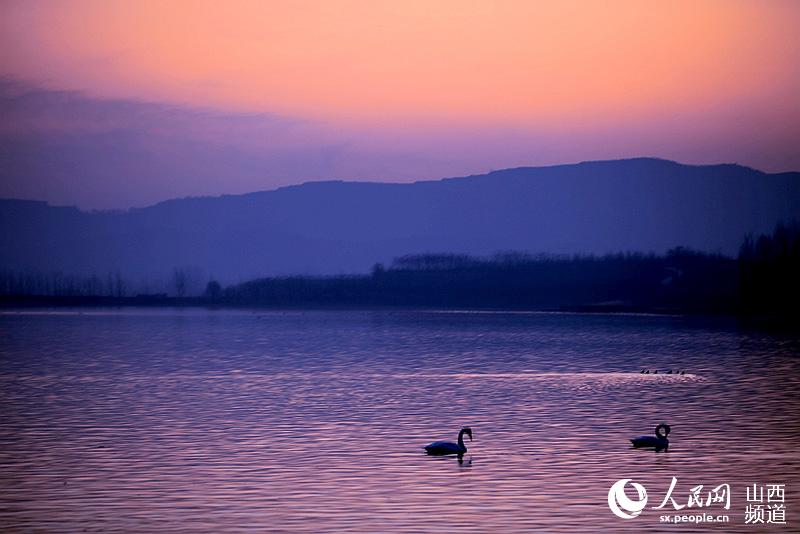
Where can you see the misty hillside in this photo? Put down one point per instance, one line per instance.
(338, 227)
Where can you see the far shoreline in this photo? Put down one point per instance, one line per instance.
(42, 301)
(21, 303)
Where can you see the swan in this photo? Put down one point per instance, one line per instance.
(448, 447)
(659, 441)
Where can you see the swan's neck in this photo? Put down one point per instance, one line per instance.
(461, 440)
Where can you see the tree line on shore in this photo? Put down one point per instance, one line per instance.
(681, 279)
(763, 279)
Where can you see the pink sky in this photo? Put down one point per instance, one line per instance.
(406, 90)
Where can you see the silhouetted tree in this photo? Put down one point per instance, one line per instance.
(697, 282)
(180, 280)
(769, 268)
(120, 285)
(213, 290)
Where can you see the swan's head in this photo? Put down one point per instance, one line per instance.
(665, 427)
(468, 431)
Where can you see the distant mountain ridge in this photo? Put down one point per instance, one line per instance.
(642, 204)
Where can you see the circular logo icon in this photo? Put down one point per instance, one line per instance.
(621, 505)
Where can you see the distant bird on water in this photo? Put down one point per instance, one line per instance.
(440, 448)
(659, 441)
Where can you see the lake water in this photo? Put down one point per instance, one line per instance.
(208, 421)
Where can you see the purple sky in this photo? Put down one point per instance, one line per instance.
(107, 104)
(69, 148)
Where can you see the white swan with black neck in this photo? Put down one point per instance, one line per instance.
(441, 448)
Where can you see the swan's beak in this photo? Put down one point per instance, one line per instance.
(470, 436)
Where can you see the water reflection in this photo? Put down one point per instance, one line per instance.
(314, 421)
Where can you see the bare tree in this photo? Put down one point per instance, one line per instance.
(180, 280)
(120, 285)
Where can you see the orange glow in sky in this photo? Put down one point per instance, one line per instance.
(113, 103)
(506, 62)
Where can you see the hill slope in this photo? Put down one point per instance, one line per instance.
(333, 227)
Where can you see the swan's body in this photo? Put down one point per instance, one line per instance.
(441, 448)
(659, 442)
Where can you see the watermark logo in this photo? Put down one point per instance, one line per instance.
(622, 506)
(766, 503)
(771, 511)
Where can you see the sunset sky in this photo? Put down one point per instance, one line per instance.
(111, 104)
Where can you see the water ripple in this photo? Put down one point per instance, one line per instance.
(195, 421)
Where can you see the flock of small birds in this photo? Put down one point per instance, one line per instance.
(668, 372)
